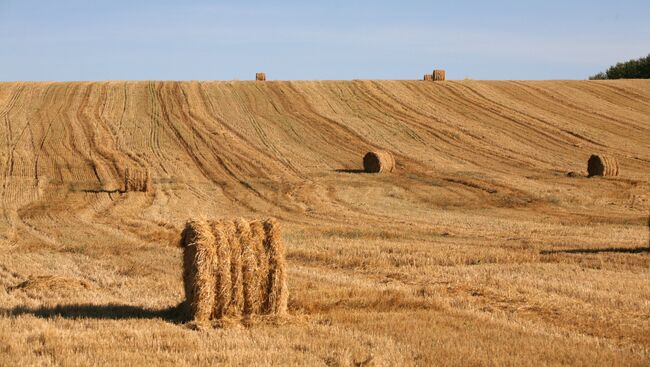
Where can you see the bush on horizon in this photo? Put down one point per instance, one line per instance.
(632, 69)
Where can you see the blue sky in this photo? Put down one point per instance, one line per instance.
(218, 40)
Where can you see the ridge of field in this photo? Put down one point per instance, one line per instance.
(478, 249)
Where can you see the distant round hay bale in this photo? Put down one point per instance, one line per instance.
(378, 162)
(199, 260)
(602, 165)
(260, 77)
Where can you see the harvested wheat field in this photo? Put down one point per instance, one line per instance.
(233, 270)
(477, 249)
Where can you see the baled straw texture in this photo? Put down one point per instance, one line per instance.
(260, 287)
(248, 273)
(428, 77)
(199, 257)
(602, 165)
(439, 75)
(236, 305)
(277, 293)
(378, 161)
(249, 269)
(137, 180)
(260, 77)
(223, 292)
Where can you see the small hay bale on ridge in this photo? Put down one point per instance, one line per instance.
(428, 77)
(378, 161)
(260, 77)
(439, 75)
(602, 165)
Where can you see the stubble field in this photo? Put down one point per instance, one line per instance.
(477, 250)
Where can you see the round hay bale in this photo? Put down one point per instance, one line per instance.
(378, 162)
(602, 165)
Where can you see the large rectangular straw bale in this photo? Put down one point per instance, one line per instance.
(439, 75)
(248, 273)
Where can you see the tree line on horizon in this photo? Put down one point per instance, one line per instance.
(632, 69)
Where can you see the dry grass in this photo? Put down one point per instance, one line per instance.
(477, 251)
(43, 283)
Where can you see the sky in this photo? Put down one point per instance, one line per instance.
(67, 40)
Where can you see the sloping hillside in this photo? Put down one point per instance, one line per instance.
(479, 242)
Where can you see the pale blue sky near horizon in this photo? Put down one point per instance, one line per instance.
(69, 40)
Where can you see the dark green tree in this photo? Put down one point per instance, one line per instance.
(633, 69)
